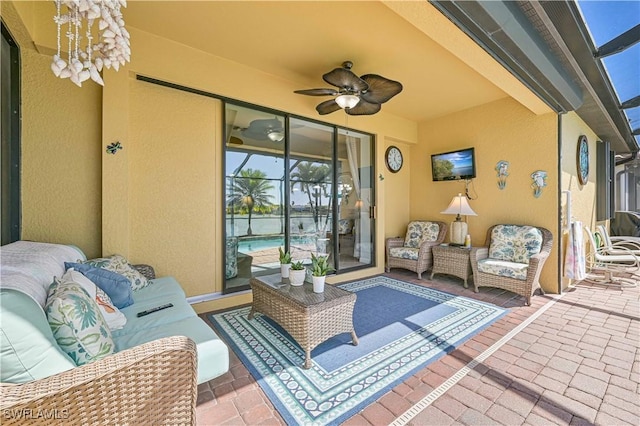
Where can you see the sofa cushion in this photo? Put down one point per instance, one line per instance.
(515, 243)
(504, 268)
(180, 310)
(28, 349)
(115, 285)
(404, 252)
(115, 319)
(159, 289)
(77, 323)
(419, 232)
(118, 264)
(213, 354)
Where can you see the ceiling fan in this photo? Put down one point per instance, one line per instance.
(356, 95)
(263, 129)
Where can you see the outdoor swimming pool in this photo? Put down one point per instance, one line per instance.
(247, 245)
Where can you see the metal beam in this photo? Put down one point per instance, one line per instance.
(620, 43)
(631, 103)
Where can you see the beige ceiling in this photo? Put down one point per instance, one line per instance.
(299, 41)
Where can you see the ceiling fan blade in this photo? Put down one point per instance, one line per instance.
(264, 124)
(363, 108)
(345, 79)
(381, 89)
(327, 107)
(317, 92)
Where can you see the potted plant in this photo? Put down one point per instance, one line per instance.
(319, 270)
(297, 273)
(285, 262)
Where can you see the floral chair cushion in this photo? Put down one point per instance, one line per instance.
(404, 252)
(515, 243)
(119, 265)
(420, 232)
(504, 268)
(231, 259)
(345, 226)
(77, 323)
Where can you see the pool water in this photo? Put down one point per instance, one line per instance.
(265, 243)
(260, 244)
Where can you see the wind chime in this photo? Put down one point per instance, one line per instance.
(86, 59)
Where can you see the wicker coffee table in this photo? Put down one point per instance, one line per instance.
(451, 260)
(310, 318)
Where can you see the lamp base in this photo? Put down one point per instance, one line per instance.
(458, 232)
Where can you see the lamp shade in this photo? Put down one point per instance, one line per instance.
(459, 206)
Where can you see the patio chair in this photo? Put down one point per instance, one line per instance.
(619, 244)
(413, 252)
(512, 259)
(621, 268)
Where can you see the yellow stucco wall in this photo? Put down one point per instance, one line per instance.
(583, 197)
(61, 144)
(501, 130)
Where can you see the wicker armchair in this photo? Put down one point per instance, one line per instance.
(154, 383)
(527, 265)
(413, 252)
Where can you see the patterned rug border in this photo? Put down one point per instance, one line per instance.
(316, 396)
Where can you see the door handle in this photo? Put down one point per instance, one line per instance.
(373, 212)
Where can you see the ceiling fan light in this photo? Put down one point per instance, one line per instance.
(347, 101)
(275, 135)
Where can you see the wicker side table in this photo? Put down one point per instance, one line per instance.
(453, 261)
(310, 318)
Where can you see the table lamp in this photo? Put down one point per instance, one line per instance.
(459, 206)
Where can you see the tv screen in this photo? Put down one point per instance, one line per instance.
(454, 165)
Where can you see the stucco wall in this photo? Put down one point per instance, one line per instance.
(61, 144)
(501, 130)
(583, 197)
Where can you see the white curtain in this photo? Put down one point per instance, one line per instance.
(352, 155)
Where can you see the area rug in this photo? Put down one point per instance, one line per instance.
(402, 327)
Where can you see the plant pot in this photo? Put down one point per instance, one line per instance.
(318, 284)
(297, 277)
(284, 269)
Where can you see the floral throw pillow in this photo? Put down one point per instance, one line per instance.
(119, 265)
(112, 315)
(515, 243)
(77, 323)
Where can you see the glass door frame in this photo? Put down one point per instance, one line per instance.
(286, 177)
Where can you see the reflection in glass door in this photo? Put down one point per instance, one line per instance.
(356, 207)
(298, 184)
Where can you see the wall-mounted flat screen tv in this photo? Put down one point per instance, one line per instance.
(454, 165)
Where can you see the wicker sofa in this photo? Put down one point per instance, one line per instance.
(151, 378)
(413, 252)
(512, 259)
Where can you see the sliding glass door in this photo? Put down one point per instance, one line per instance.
(298, 184)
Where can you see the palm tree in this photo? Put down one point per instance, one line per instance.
(250, 189)
(309, 176)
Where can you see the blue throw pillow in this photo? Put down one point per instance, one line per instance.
(117, 287)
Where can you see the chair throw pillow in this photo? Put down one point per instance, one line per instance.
(515, 243)
(117, 287)
(119, 265)
(115, 319)
(419, 232)
(77, 323)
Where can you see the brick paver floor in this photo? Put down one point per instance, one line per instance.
(577, 363)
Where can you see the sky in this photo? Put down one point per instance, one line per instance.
(607, 20)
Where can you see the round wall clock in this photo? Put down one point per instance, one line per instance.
(393, 158)
(583, 160)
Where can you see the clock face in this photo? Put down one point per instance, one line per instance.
(393, 157)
